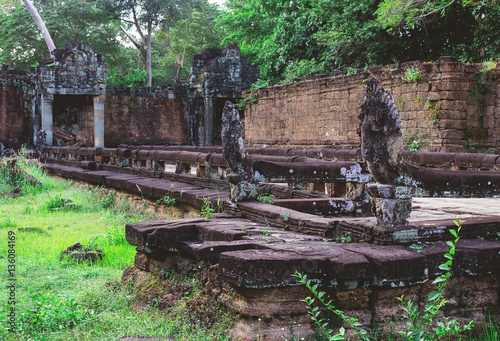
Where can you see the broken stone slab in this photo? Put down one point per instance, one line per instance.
(79, 253)
(163, 234)
(417, 231)
(327, 206)
(322, 171)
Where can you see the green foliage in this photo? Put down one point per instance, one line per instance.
(21, 41)
(7, 223)
(491, 331)
(412, 74)
(109, 200)
(323, 324)
(240, 104)
(19, 173)
(65, 301)
(298, 69)
(266, 198)
(414, 145)
(274, 34)
(260, 83)
(266, 232)
(480, 22)
(134, 77)
(208, 210)
(57, 203)
(483, 84)
(182, 34)
(419, 324)
(343, 239)
(167, 199)
(292, 39)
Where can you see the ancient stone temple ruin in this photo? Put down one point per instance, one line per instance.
(67, 101)
(70, 91)
(217, 75)
(340, 202)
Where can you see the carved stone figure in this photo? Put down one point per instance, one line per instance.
(381, 133)
(381, 146)
(232, 140)
(242, 188)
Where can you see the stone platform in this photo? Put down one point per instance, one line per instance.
(254, 248)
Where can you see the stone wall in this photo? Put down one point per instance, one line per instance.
(156, 115)
(451, 107)
(15, 110)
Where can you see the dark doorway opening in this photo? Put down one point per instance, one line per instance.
(71, 110)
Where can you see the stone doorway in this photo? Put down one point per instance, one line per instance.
(71, 110)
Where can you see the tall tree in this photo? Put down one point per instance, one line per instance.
(145, 16)
(41, 26)
(189, 31)
(273, 33)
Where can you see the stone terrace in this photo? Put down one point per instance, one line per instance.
(254, 247)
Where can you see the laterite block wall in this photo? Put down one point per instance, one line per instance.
(156, 115)
(452, 107)
(14, 112)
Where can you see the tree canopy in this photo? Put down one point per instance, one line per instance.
(22, 43)
(291, 38)
(285, 39)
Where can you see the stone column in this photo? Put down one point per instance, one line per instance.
(99, 121)
(391, 204)
(47, 116)
(209, 120)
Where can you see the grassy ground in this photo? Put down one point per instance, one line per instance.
(62, 300)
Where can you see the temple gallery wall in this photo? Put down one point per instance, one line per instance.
(444, 106)
(66, 98)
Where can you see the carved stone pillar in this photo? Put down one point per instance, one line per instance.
(209, 121)
(46, 111)
(99, 121)
(391, 204)
(242, 186)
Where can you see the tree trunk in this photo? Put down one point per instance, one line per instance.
(41, 26)
(148, 55)
(136, 44)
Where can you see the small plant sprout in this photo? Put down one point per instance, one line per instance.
(412, 74)
(266, 232)
(208, 210)
(324, 324)
(167, 199)
(419, 324)
(343, 239)
(266, 198)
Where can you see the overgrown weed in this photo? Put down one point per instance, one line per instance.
(62, 300)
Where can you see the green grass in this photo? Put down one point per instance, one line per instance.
(63, 300)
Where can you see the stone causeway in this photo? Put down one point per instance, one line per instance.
(253, 248)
